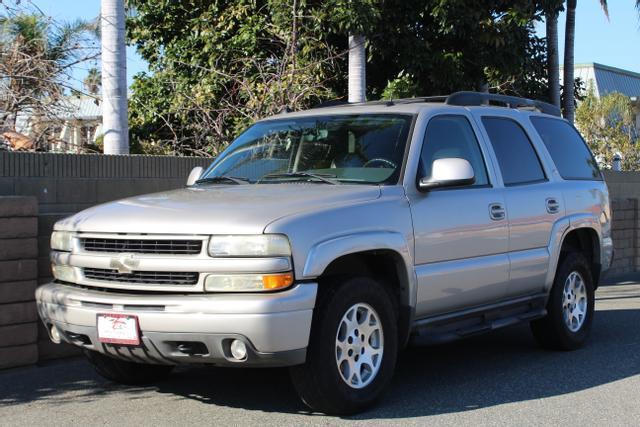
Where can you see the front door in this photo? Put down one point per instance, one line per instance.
(461, 233)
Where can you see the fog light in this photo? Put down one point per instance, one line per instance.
(64, 273)
(55, 335)
(238, 350)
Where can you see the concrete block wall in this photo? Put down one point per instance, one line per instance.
(626, 242)
(18, 280)
(59, 185)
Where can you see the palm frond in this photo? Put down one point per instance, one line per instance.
(605, 7)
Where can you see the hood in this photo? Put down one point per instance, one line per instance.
(213, 209)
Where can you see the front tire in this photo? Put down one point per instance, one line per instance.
(570, 306)
(123, 372)
(352, 348)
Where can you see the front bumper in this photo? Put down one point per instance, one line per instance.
(174, 328)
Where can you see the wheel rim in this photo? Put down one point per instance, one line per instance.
(574, 301)
(359, 346)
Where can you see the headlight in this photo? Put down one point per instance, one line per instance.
(261, 245)
(248, 282)
(62, 241)
(64, 273)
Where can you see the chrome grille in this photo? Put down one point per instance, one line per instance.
(143, 246)
(142, 277)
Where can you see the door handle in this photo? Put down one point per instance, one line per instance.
(553, 206)
(497, 211)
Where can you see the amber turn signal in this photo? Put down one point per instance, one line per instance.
(272, 282)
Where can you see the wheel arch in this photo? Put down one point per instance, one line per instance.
(376, 254)
(586, 241)
(577, 233)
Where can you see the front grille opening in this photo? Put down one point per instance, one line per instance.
(142, 277)
(142, 246)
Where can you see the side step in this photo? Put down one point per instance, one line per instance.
(452, 326)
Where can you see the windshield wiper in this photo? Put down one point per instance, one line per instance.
(224, 178)
(323, 177)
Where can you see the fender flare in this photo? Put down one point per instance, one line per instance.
(323, 253)
(559, 232)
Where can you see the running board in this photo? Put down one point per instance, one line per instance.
(478, 320)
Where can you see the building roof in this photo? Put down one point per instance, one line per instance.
(78, 108)
(605, 79)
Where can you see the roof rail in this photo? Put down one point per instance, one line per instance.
(463, 98)
(466, 98)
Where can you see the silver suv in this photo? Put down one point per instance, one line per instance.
(327, 240)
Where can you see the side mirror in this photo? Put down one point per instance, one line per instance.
(194, 175)
(450, 172)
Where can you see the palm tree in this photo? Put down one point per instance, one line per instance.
(552, 9)
(357, 68)
(93, 81)
(569, 42)
(115, 125)
(38, 56)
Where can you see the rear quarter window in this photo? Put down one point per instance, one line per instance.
(568, 150)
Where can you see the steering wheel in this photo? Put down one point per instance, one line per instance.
(379, 160)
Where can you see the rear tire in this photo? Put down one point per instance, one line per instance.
(352, 349)
(570, 307)
(124, 372)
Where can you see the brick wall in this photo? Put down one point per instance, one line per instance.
(18, 278)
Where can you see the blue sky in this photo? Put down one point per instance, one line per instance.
(615, 42)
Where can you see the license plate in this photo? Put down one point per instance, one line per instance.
(118, 329)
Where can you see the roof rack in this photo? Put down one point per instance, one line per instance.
(463, 98)
(482, 98)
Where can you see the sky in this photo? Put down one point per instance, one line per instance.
(614, 42)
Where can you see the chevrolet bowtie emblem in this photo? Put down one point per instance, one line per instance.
(125, 263)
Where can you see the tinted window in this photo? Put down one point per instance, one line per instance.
(452, 136)
(518, 160)
(569, 152)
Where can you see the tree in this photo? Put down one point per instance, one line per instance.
(552, 9)
(114, 78)
(357, 69)
(93, 81)
(451, 45)
(37, 57)
(217, 65)
(608, 126)
(569, 43)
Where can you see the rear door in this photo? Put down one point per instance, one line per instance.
(533, 201)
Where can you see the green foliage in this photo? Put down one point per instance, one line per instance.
(451, 45)
(403, 86)
(608, 126)
(217, 65)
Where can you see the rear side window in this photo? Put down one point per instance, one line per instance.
(517, 158)
(569, 152)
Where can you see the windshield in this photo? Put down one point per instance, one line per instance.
(363, 148)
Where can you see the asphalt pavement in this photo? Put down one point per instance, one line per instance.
(501, 378)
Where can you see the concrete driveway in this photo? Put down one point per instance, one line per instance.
(496, 379)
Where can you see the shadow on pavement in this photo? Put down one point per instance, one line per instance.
(502, 367)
